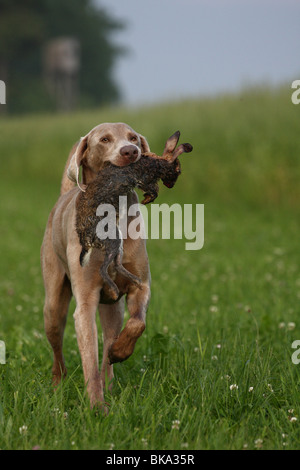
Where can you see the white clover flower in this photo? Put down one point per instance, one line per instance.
(213, 309)
(38, 335)
(226, 377)
(23, 429)
(175, 424)
(251, 389)
(258, 443)
(291, 325)
(234, 387)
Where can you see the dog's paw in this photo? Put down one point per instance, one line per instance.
(123, 347)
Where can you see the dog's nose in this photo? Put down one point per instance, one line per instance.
(129, 151)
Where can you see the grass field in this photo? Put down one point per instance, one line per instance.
(213, 369)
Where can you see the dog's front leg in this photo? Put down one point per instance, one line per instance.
(87, 337)
(137, 302)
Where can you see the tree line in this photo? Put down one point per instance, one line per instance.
(25, 28)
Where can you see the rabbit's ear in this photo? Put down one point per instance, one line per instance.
(183, 148)
(76, 161)
(171, 144)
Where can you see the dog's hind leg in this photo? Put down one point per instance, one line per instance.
(57, 299)
(111, 318)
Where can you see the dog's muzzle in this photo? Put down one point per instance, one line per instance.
(130, 152)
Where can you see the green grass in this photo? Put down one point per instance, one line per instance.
(215, 314)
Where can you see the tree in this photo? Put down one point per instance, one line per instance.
(26, 26)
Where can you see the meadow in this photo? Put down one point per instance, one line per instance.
(213, 369)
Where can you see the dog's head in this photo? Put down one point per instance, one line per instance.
(116, 143)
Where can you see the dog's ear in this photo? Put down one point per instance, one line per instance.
(76, 161)
(144, 144)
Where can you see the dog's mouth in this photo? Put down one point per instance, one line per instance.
(126, 160)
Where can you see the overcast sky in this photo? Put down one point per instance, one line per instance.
(182, 48)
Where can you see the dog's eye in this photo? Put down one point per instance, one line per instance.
(105, 140)
(133, 138)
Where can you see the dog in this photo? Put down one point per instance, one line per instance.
(63, 276)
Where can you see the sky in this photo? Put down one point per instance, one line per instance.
(190, 48)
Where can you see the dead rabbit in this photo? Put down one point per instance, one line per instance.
(113, 182)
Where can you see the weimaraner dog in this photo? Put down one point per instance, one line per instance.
(64, 276)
